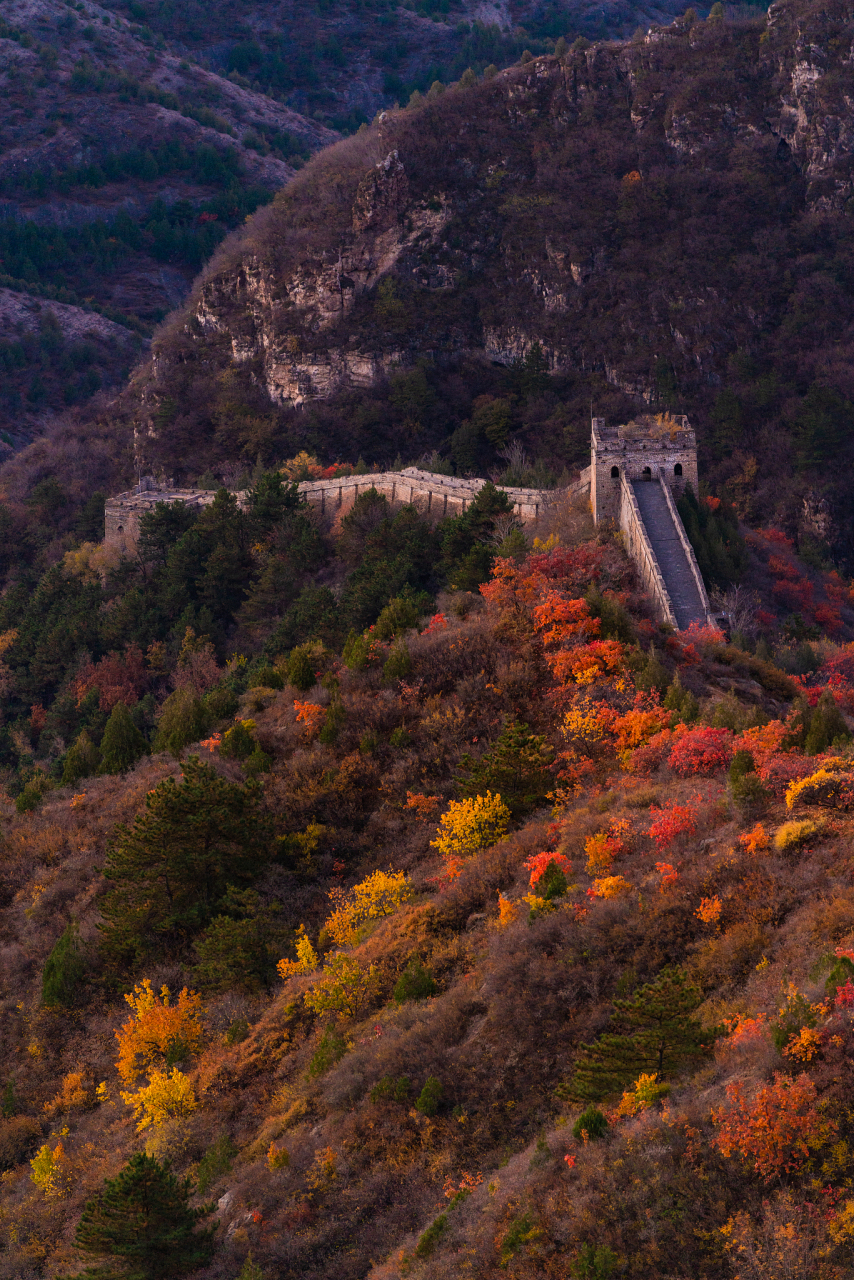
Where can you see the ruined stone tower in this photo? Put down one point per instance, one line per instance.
(648, 447)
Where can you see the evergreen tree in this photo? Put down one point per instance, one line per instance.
(170, 871)
(142, 1222)
(122, 744)
(81, 760)
(517, 766)
(63, 969)
(183, 719)
(660, 1035)
(827, 724)
(270, 499)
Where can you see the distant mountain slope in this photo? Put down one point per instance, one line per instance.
(668, 217)
(121, 168)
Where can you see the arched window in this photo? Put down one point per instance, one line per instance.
(677, 470)
(647, 474)
(615, 473)
(120, 529)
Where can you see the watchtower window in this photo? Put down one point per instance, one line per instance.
(615, 473)
(677, 470)
(647, 474)
(120, 529)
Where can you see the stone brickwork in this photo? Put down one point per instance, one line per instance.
(648, 446)
(122, 513)
(435, 495)
(639, 548)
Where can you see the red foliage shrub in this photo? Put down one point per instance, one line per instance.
(701, 751)
(779, 771)
(672, 821)
(117, 677)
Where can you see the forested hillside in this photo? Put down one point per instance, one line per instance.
(493, 931)
(385, 896)
(665, 221)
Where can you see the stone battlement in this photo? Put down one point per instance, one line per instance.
(437, 495)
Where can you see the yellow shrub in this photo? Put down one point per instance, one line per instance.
(277, 1158)
(47, 1170)
(75, 1092)
(646, 1093)
(610, 887)
(167, 1096)
(344, 987)
(507, 911)
(470, 825)
(825, 788)
(792, 834)
(599, 852)
(306, 961)
(804, 1045)
(376, 896)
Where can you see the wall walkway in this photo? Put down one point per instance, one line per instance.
(660, 547)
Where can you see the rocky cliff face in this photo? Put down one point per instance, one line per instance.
(665, 221)
(536, 256)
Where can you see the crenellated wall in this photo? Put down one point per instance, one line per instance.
(433, 494)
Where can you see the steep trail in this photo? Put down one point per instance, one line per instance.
(669, 552)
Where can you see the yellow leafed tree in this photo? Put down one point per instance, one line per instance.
(376, 896)
(306, 961)
(470, 825)
(167, 1096)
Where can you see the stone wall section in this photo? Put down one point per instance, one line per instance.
(436, 495)
(692, 559)
(639, 548)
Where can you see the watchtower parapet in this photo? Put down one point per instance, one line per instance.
(651, 446)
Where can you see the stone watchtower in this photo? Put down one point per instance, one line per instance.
(646, 448)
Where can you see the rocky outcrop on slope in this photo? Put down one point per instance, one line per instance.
(463, 236)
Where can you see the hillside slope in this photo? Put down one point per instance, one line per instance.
(339, 961)
(663, 221)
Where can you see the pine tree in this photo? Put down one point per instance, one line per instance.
(827, 725)
(517, 766)
(81, 760)
(63, 969)
(183, 719)
(143, 1220)
(122, 744)
(660, 1035)
(171, 869)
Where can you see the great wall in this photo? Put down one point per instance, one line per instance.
(634, 473)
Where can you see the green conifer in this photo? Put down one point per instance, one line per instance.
(171, 869)
(659, 1036)
(81, 761)
(63, 969)
(122, 744)
(143, 1226)
(517, 766)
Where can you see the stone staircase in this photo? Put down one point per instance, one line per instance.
(664, 538)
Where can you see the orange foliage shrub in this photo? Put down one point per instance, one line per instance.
(776, 1131)
(646, 719)
(423, 806)
(311, 715)
(159, 1032)
(669, 875)
(609, 887)
(709, 910)
(755, 840)
(539, 863)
